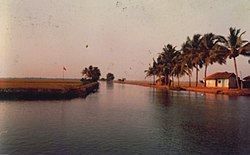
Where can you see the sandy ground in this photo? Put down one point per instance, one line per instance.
(200, 88)
(48, 84)
(68, 84)
(42, 89)
(150, 84)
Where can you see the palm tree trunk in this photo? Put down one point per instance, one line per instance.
(236, 72)
(189, 77)
(178, 77)
(196, 82)
(165, 79)
(153, 79)
(173, 79)
(169, 82)
(205, 75)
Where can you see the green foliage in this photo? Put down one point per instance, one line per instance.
(197, 52)
(110, 77)
(92, 73)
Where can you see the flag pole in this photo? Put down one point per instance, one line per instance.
(63, 74)
(64, 69)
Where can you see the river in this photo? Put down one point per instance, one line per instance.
(127, 119)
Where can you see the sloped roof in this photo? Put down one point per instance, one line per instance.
(246, 78)
(220, 75)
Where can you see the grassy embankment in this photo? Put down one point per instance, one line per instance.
(44, 89)
(200, 88)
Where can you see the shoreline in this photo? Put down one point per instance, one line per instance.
(222, 91)
(48, 90)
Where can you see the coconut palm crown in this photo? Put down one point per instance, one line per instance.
(210, 53)
(235, 46)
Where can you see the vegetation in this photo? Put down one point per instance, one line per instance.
(39, 83)
(235, 46)
(102, 79)
(91, 73)
(152, 71)
(121, 80)
(110, 77)
(197, 52)
(44, 89)
(210, 54)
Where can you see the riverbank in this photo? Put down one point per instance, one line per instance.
(184, 86)
(230, 92)
(40, 89)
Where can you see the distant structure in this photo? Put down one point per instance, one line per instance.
(161, 81)
(222, 80)
(122, 80)
(246, 82)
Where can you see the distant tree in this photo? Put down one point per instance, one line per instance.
(92, 73)
(110, 77)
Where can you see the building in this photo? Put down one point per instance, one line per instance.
(246, 82)
(161, 81)
(221, 80)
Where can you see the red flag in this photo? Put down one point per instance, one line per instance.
(64, 68)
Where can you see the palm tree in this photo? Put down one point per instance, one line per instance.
(186, 60)
(96, 73)
(152, 70)
(162, 70)
(176, 68)
(235, 46)
(85, 72)
(165, 61)
(192, 52)
(210, 54)
(180, 67)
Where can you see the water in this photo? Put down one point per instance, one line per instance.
(127, 119)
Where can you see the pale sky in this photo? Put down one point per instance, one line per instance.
(39, 37)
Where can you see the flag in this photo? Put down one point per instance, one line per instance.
(64, 68)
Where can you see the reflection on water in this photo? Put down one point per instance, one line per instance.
(127, 119)
(109, 85)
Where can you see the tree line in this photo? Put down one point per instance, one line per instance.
(198, 52)
(93, 74)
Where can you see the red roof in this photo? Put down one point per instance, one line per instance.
(246, 78)
(220, 75)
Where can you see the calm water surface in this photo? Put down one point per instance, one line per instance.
(127, 119)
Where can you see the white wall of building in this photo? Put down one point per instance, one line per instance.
(210, 83)
(223, 83)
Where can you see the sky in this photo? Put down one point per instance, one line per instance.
(39, 37)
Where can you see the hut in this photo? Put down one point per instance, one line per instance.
(161, 81)
(246, 82)
(221, 80)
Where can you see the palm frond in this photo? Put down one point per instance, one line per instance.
(245, 50)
